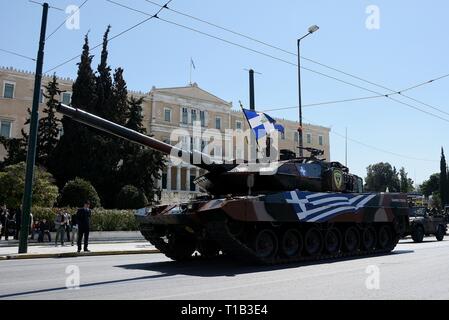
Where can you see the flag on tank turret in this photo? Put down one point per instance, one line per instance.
(262, 124)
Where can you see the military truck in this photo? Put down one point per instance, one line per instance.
(424, 223)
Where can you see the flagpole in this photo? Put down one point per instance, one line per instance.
(190, 71)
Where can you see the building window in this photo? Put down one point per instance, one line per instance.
(8, 90)
(218, 123)
(296, 137)
(193, 116)
(320, 140)
(238, 125)
(203, 118)
(5, 128)
(67, 98)
(309, 138)
(167, 115)
(283, 135)
(41, 96)
(185, 116)
(239, 154)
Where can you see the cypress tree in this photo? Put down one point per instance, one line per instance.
(443, 180)
(104, 82)
(73, 156)
(48, 135)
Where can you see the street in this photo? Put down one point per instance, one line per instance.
(412, 271)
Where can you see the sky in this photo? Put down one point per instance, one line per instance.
(406, 46)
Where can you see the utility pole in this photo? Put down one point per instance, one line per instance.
(32, 140)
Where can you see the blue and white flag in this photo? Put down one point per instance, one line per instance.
(318, 207)
(262, 124)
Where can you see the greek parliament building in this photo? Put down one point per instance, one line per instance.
(164, 110)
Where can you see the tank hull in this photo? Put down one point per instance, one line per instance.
(279, 228)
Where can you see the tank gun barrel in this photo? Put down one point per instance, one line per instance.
(81, 116)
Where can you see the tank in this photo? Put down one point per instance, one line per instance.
(305, 209)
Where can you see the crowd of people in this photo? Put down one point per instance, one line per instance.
(74, 228)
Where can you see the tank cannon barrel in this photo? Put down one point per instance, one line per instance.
(81, 116)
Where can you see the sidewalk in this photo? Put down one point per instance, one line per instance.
(49, 250)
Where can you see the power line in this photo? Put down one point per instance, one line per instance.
(65, 20)
(112, 38)
(17, 54)
(314, 61)
(41, 4)
(280, 59)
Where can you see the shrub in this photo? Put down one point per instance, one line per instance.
(130, 197)
(102, 219)
(76, 192)
(12, 185)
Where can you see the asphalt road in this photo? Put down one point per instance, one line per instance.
(412, 271)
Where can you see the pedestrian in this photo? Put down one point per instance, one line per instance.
(68, 226)
(44, 229)
(74, 227)
(83, 218)
(35, 229)
(4, 219)
(18, 221)
(60, 225)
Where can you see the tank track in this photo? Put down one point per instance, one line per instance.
(234, 247)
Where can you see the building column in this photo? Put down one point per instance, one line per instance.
(169, 178)
(197, 174)
(188, 180)
(178, 178)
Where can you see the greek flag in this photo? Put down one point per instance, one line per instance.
(261, 123)
(319, 207)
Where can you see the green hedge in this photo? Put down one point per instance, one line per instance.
(102, 219)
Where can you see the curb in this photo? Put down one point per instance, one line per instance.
(27, 256)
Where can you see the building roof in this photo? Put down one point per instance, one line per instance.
(192, 91)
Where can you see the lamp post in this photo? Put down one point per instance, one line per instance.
(311, 30)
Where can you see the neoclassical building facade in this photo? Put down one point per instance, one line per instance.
(166, 111)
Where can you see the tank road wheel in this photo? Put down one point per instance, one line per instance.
(441, 232)
(180, 248)
(292, 243)
(332, 241)
(385, 237)
(208, 249)
(313, 242)
(418, 234)
(368, 239)
(351, 240)
(265, 244)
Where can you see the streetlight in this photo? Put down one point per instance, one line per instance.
(311, 30)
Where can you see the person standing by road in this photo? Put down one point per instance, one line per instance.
(4, 219)
(44, 229)
(74, 227)
(83, 218)
(60, 225)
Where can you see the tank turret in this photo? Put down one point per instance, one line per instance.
(309, 173)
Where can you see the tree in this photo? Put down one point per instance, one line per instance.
(432, 185)
(48, 135)
(119, 98)
(73, 155)
(381, 176)
(76, 192)
(141, 167)
(130, 197)
(12, 185)
(104, 82)
(16, 151)
(406, 184)
(444, 192)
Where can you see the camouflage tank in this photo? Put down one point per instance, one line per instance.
(307, 209)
